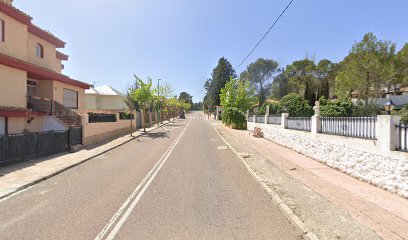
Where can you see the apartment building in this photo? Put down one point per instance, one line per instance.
(34, 94)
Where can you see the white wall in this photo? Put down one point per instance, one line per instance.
(53, 124)
(357, 157)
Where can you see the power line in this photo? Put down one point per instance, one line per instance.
(273, 25)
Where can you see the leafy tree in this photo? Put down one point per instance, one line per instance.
(295, 105)
(401, 63)
(325, 74)
(279, 87)
(302, 79)
(185, 97)
(235, 95)
(368, 67)
(219, 77)
(142, 93)
(260, 74)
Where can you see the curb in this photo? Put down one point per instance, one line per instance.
(19, 189)
(276, 200)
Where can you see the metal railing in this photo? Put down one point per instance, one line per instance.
(275, 119)
(402, 137)
(51, 107)
(250, 119)
(300, 123)
(260, 118)
(358, 127)
(39, 104)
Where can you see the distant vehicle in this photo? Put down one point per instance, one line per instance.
(182, 114)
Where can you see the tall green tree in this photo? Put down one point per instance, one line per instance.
(260, 75)
(401, 63)
(325, 75)
(219, 77)
(302, 79)
(368, 68)
(185, 97)
(279, 86)
(142, 93)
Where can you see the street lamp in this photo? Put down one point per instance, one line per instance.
(388, 106)
(158, 96)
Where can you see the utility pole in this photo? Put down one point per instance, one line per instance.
(158, 96)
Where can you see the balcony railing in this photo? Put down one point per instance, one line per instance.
(51, 107)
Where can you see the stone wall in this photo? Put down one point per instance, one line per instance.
(359, 158)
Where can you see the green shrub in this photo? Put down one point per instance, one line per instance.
(404, 115)
(273, 108)
(336, 108)
(235, 118)
(367, 110)
(295, 105)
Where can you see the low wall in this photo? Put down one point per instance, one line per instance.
(360, 158)
(99, 132)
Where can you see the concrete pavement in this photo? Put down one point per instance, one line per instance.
(178, 182)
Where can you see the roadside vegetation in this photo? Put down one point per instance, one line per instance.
(372, 69)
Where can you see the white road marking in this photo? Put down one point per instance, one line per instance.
(134, 198)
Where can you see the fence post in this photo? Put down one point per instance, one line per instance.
(316, 124)
(69, 139)
(285, 120)
(254, 118)
(247, 115)
(386, 132)
(267, 115)
(84, 122)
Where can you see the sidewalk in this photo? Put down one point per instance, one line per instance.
(17, 177)
(332, 204)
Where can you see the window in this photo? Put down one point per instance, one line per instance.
(2, 31)
(70, 99)
(39, 50)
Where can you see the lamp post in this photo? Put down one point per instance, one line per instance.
(388, 106)
(158, 96)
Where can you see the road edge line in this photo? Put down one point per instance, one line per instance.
(19, 189)
(282, 206)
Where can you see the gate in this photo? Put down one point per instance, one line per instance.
(75, 135)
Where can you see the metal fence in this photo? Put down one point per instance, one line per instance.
(275, 119)
(126, 116)
(402, 137)
(250, 119)
(101, 117)
(300, 123)
(358, 127)
(75, 135)
(26, 146)
(260, 118)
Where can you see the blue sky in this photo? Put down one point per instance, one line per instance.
(181, 41)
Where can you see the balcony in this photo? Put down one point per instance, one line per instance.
(40, 104)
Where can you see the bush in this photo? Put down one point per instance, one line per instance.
(295, 105)
(235, 118)
(404, 115)
(367, 110)
(273, 108)
(336, 108)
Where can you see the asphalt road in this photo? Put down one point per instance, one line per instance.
(177, 182)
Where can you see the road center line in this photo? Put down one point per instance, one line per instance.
(136, 195)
